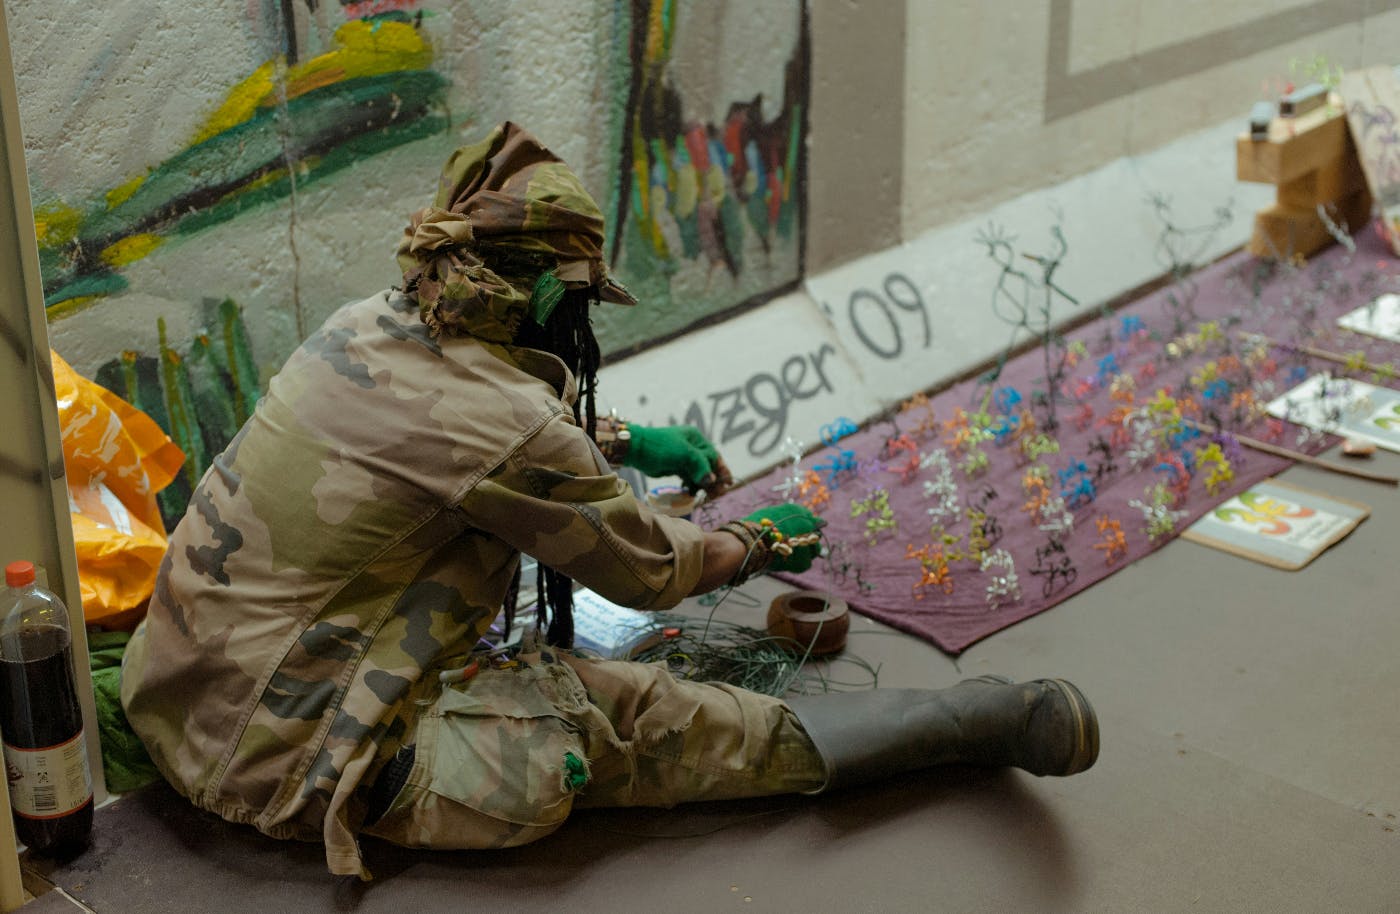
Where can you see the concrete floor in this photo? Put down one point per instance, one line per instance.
(1249, 762)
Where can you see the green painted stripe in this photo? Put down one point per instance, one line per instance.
(241, 200)
(78, 295)
(319, 119)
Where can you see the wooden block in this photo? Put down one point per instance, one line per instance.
(1280, 233)
(1284, 232)
(1278, 161)
(1332, 181)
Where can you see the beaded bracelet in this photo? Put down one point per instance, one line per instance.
(613, 438)
(762, 541)
(756, 554)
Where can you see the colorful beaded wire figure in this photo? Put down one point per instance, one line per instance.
(881, 518)
(812, 493)
(1004, 586)
(934, 571)
(1113, 543)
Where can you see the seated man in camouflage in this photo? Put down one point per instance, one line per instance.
(306, 664)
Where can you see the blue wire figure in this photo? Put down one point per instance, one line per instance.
(833, 432)
(1006, 399)
(1076, 468)
(841, 465)
(1183, 436)
(1082, 494)
(1077, 484)
(1218, 389)
(1002, 428)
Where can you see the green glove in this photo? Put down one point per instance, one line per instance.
(677, 450)
(791, 521)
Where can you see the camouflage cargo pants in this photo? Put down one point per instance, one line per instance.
(503, 758)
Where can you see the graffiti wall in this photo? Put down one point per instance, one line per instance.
(211, 180)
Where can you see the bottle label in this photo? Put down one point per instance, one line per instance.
(50, 782)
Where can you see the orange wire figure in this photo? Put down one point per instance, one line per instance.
(926, 427)
(812, 493)
(1113, 543)
(933, 569)
(1038, 490)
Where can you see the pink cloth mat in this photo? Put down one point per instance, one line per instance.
(1238, 293)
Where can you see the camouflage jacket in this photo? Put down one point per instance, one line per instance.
(357, 537)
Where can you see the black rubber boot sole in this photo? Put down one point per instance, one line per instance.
(1086, 723)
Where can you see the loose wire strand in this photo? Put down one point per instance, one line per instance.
(749, 657)
(752, 658)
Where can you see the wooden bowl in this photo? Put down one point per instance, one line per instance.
(816, 619)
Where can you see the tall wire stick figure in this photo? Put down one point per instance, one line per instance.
(1023, 297)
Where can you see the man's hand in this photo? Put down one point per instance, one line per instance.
(791, 521)
(678, 450)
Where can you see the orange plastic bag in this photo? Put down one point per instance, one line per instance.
(117, 459)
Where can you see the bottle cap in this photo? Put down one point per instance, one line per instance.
(19, 574)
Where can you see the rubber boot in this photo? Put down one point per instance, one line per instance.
(1046, 727)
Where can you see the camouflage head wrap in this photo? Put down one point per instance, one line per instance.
(507, 210)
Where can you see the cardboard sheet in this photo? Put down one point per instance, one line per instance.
(1346, 407)
(1279, 524)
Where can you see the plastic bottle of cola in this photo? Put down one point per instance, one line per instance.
(46, 760)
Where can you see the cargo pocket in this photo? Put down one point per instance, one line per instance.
(497, 763)
(505, 751)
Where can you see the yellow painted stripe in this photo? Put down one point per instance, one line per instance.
(121, 192)
(363, 49)
(130, 249)
(242, 101)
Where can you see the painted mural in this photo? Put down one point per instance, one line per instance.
(200, 393)
(286, 123)
(206, 194)
(706, 209)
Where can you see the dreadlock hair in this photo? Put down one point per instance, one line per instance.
(567, 333)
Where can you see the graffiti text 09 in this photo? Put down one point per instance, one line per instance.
(880, 321)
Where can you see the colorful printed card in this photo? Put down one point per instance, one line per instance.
(1278, 524)
(1340, 406)
(1380, 318)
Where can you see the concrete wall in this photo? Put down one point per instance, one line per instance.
(1003, 96)
(211, 179)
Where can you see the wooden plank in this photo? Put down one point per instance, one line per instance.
(1372, 103)
(1335, 180)
(37, 523)
(12, 895)
(1283, 232)
(1278, 161)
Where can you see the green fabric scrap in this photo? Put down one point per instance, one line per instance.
(549, 291)
(575, 772)
(124, 760)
